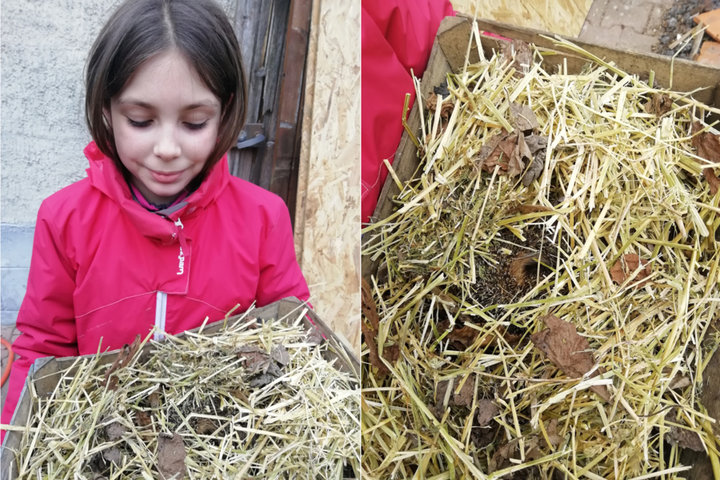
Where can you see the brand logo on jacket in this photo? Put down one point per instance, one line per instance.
(181, 262)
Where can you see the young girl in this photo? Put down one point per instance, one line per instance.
(159, 235)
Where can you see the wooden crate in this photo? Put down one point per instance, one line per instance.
(46, 372)
(448, 56)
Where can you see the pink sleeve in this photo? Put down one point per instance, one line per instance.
(280, 274)
(409, 27)
(46, 319)
(396, 36)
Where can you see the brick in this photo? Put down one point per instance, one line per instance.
(628, 16)
(664, 4)
(709, 54)
(637, 42)
(712, 20)
(596, 12)
(608, 37)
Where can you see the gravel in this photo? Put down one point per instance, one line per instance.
(677, 21)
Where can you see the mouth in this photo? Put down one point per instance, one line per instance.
(165, 177)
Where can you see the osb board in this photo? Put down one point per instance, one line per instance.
(564, 17)
(327, 217)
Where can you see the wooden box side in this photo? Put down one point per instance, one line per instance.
(46, 372)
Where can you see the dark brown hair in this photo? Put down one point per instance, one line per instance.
(141, 29)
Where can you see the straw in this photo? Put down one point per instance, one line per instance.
(256, 399)
(573, 312)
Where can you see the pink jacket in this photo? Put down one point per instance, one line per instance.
(104, 269)
(397, 36)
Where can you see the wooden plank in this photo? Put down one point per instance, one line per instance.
(274, 54)
(286, 155)
(253, 18)
(681, 74)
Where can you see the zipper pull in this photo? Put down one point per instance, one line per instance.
(178, 224)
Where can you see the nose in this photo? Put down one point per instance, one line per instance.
(167, 147)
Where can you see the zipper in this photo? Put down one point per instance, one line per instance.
(160, 314)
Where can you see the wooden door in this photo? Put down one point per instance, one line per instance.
(273, 36)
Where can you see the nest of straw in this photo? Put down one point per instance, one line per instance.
(255, 400)
(548, 292)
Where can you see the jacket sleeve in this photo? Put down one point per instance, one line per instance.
(280, 274)
(46, 319)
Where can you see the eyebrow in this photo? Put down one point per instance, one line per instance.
(192, 106)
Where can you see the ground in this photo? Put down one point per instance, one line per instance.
(678, 20)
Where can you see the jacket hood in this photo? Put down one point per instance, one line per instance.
(105, 176)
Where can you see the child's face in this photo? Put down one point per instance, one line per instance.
(165, 123)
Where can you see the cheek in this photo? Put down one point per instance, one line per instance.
(203, 143)
(128, 143)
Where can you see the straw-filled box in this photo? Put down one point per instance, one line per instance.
(271, 393)
(542, 273)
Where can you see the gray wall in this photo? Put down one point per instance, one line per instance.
(42, 133)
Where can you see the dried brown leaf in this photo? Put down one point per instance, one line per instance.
(561, 343)
(486, 411)
(255, 360)
(171, 456)
(708, 147)
(529, 209)
(536, 142)
(204, 426)
(659, 104)
(553, 436)
(154, 399)
(627, 265)
(519, 155)
(523, 118)
(114, 431)
(112, 455)
(369, 326)
(503, 454)
(488, 148)
(123, 358)
(499, 151)
(519, 53)
(462, 335)
(461, 398)
(280, 354)
(142, 419)
(685, 438)
(464, 397)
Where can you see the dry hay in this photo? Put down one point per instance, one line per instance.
(547, 296)
(255, 400)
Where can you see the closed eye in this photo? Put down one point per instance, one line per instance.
(195, 126)
(138, 123)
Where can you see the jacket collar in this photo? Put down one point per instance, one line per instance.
(106, 177)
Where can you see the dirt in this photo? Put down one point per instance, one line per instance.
(677, 21)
